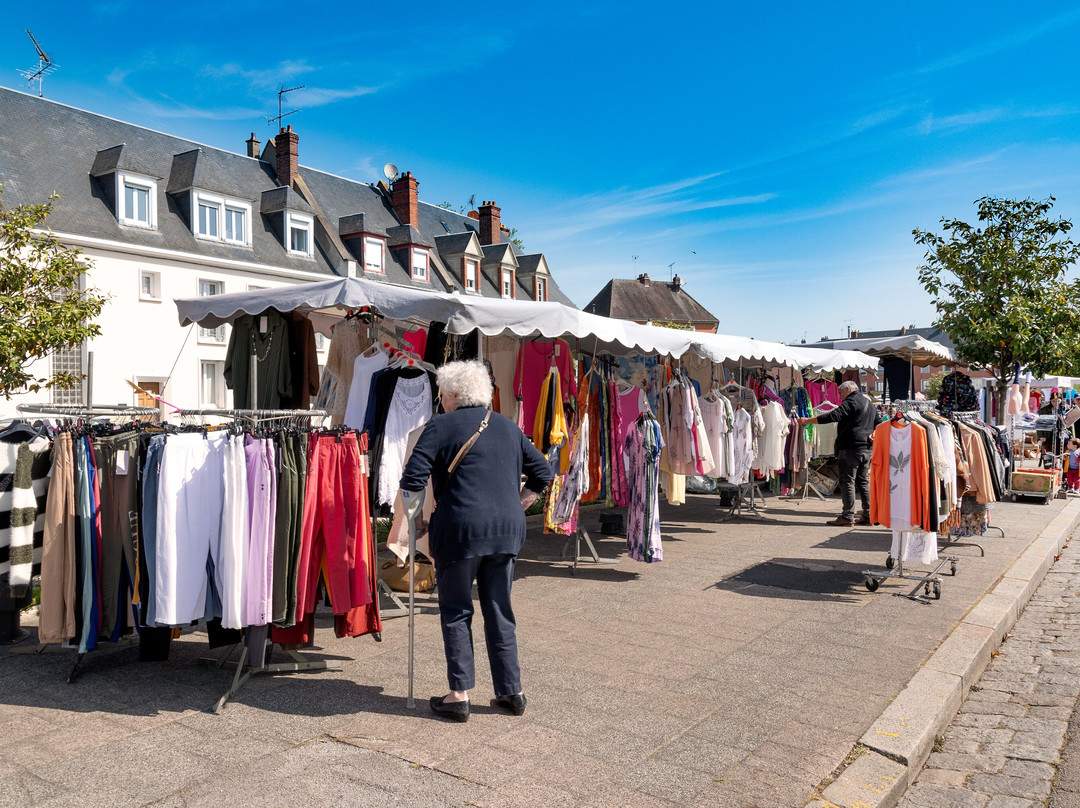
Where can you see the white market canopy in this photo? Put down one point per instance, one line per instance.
(916, 349)
(326, 301)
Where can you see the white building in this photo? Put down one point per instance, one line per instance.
(160, 217)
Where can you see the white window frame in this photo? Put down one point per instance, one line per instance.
(374, 249)
(219, 383)
(211, 336)
(154, 294)
(506, 283)
(223, 205)
(127, 217)
(472, 275)
(540, 285)
(879, 386)
(299, 221)
(418, 272)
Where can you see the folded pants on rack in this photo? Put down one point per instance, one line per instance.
(56, 620)
(86, 613)
(116, 458)
(292, 460)
(191, 493)
(147, 527)
(262, 505)
(231, 558)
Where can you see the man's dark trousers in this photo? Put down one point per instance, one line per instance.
(854, 476)
(494, 575)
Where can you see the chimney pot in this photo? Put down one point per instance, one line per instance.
(903, 330)
(404, 199)
(286, 149)
(490, 223)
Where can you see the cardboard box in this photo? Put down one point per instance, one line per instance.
(1036, 481)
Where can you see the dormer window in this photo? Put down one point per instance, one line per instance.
(373, 256)
(472, 274)
(419, 264)
(298, 235)
(508, 283)
(541, 289)
(217, 218)
(137, 200)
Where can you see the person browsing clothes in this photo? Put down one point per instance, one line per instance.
(855, 420)
(477, 528)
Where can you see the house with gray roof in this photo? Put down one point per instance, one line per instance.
(159, 217)
(644, 300)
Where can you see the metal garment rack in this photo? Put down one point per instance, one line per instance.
(577, 537)
(97, 411)
(747, 493)
(256, 644)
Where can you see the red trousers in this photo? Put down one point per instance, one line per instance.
(336, 540)
(1072, 477)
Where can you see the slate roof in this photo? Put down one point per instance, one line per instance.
(47, 147)
(659, 302)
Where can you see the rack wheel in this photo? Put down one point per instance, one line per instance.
(872, 583)
(890, 562)
(937, 590)
(926, 589)
(952, 568)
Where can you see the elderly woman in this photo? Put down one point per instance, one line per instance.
(477, 528)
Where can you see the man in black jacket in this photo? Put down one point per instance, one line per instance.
(855, 421)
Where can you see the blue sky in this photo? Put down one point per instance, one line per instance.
(779, 154)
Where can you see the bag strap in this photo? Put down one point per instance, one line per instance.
(464, 450)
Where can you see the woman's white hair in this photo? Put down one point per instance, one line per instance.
(469, 380)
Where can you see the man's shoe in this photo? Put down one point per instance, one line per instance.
(454, 710)
(840, 521)
(515, 704)
(863, 520)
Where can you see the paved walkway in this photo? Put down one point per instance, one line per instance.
(1003, 748)
(741, 671)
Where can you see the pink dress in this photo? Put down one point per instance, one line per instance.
(534, 361)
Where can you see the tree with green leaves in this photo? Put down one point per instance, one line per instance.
(42, 307)
(1003, 288)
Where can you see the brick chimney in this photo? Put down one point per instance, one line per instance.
(288, 155)
(643, 279)
(676, 283)
(490, 223)
(253, 146)
(903, 330)
(403, 196)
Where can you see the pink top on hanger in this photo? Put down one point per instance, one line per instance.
(534, 361)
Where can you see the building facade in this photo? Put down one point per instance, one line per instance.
(161, 217)
(644, 300)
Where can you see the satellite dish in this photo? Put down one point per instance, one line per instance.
(390, 171)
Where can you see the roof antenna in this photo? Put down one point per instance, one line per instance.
(280, 114)
(671, 273)
(45, 66)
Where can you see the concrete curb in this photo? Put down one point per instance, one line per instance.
(901, 739)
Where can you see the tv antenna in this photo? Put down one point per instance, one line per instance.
(280, 95)
(472, 201)
(671, 274)
(390, 171)
(45, 65)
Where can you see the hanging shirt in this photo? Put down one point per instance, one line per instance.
(410, 407)
(266, 336)
(535, 359)
(363, 369)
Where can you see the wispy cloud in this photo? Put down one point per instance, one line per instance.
(171, 108)
(612, 208)
(1014, 39)
(259, 79)
(963, 120)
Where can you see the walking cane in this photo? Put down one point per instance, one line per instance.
(414, 503)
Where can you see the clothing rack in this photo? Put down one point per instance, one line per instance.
(96, 411)
(252, 416)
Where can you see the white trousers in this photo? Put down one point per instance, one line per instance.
(234, 535)
(189, 518)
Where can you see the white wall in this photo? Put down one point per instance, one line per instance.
(141, 339)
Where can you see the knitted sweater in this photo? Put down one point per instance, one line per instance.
(24, 469)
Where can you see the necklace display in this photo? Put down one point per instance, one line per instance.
(254, 347)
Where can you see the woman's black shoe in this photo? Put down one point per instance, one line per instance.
(454, 710)
(515, 704)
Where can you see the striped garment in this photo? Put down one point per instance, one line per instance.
(24, 470)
